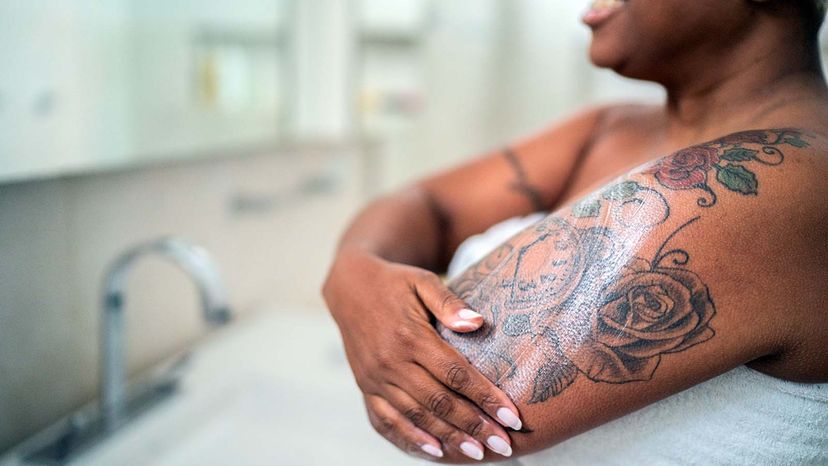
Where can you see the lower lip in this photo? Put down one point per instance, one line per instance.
(596, 17)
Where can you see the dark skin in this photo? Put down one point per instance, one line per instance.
(762, 71)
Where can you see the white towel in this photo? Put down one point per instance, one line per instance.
(742, 417)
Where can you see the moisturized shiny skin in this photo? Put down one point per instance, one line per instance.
(579, 295)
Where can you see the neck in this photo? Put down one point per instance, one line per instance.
(758, 84)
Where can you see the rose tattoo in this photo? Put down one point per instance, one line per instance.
(642, 310)
(571, 297)
(689, 168)
(686, 169)
(647, 312)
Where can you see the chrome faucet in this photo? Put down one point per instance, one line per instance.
(194, 261)
(91, 424)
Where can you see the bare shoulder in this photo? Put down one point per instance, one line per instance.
(628, 119)
(765, 196)
(787, 159)
(780, 171)
(627, 112)
(595, 122)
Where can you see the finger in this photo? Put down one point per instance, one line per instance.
(451, 368)
(450, 310)
(449, 406)
(392, 425)
(453, 439)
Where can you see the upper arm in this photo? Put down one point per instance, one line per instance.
(664, 278)
(523, 178)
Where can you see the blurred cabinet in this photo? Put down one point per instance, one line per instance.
(207, 76)
(63, 91)
(88, 85)
(390, 75)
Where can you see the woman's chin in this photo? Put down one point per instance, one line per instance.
(626, 66)
(602, 57)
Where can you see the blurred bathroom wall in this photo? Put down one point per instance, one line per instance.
(482, 73)
(206, 74)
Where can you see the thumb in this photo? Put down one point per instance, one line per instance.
(450, 310)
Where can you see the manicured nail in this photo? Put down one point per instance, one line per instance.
(509, 418)
(432, 450)
(469, 449)
(464, 325)
(468, 314)
(498, 445)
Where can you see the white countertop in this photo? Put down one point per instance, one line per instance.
(272, 389)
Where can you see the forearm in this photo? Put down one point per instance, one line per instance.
(425, 223)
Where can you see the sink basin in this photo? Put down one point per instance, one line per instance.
(271, 389)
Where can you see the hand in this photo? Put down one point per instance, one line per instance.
(421, 393)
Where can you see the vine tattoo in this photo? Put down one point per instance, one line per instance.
(574, 296)
(728, 156)
(522, 184)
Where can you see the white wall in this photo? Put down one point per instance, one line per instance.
(496, 71)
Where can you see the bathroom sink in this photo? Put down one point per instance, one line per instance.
(271, 389)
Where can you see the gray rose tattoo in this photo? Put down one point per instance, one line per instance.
(558, 290)
(644, 314)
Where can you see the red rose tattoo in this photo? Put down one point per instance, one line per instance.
(687, 168)
(726, 159)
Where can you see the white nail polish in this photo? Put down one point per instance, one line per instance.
(509, 418)
(498, 445)
(432, 450)
(468, 314)
(469, 449)
(463, 325)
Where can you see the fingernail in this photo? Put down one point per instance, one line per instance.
(468, 314)
(509, 418)
(464, 325)
(469, 449)
(498, 445)
(432, 450)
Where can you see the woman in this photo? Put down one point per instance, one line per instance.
(709, 263)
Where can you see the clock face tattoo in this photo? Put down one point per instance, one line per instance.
(555, 259)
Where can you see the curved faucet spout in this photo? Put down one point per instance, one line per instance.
(192, 260)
